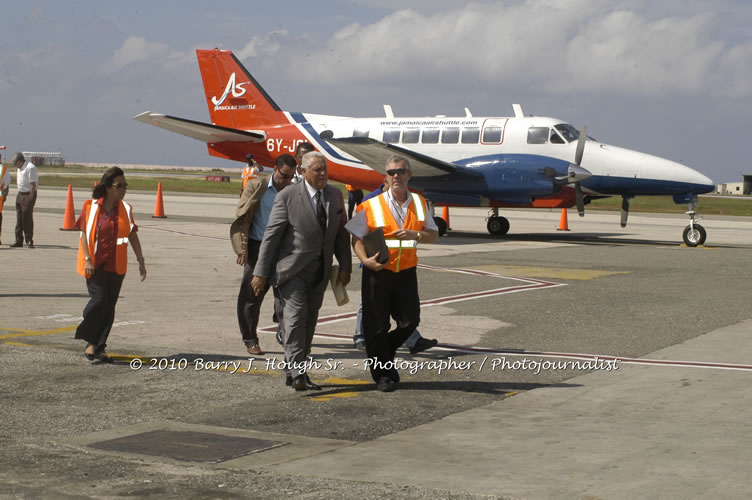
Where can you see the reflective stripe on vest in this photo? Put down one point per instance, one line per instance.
(392, 243)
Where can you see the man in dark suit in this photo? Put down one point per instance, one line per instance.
(306, 228)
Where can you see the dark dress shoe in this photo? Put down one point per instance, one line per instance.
(299, 383)
(17, 245)
(30, 244)
(423, 344)
(386, 384)
(288, 380)
(310, 384)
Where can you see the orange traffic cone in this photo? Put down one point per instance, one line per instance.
(445, 216)
(159, 206)
(563, 224)
(69, 220)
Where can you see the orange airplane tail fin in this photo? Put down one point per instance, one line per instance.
(235, 99)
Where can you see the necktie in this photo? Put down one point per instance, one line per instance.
(320, 211)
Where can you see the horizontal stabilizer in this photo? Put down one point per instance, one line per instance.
(374, 153)
(204, 132)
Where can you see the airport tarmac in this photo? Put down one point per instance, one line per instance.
(658, 405)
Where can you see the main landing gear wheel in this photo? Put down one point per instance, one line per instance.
(498, 225)
(694, 235)
(441, 225)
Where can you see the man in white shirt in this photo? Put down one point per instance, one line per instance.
(27, 181)
(389, 290)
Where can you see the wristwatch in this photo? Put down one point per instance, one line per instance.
(418, 236)
(87, 258)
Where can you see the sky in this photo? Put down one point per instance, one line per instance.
(671, 78)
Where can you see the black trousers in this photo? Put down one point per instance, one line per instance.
(25, 216)
(99, 313)
(354, 198)
(249, 304)
(388, 295)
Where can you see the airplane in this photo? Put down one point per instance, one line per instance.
(467, 161)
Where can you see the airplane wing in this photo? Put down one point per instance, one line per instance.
(374, 153)
(204, 132)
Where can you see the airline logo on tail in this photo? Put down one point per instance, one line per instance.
(237, 91)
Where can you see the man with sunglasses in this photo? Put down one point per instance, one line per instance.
(416, 343)
(390, 290)
(246, 233)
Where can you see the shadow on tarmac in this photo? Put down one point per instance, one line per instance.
(476, 387)
(457, 237)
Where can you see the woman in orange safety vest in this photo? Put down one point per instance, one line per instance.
(107, 226)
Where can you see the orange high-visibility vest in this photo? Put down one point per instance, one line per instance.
(248, 174)
(403, 254)
(125, 225)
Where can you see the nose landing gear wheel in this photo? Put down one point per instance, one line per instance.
(498, 225)
(694, 236)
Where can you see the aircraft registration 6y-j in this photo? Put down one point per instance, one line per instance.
(519, 161)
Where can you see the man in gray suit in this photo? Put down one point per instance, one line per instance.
(306, 228)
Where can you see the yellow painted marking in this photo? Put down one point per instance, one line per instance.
(345, 381)
(702, 247)
(339, 381)
(18, 344)
(329, 397)
(561, 273)
(34, 333)
(7, 329)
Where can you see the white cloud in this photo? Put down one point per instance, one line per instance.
(135, 49)
(556, 45)
(266, 44)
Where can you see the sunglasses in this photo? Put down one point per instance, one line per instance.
(395, 171)
(123, 185)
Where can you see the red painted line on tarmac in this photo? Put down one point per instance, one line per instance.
(439, 301)
(567, 355)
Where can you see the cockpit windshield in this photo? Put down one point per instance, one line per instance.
(568, 132)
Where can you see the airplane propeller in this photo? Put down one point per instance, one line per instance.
(577, 174)
(578, 198)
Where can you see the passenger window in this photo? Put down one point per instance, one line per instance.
(360, 132)
(410, 135)
(555, 138)
(537, 135)
(492, 134)
(470, 135)
(450, 135)
(391, 135)
(430, 136)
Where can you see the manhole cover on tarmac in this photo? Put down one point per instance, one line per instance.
(188, 446)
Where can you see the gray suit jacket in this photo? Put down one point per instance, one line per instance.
(293, 238)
